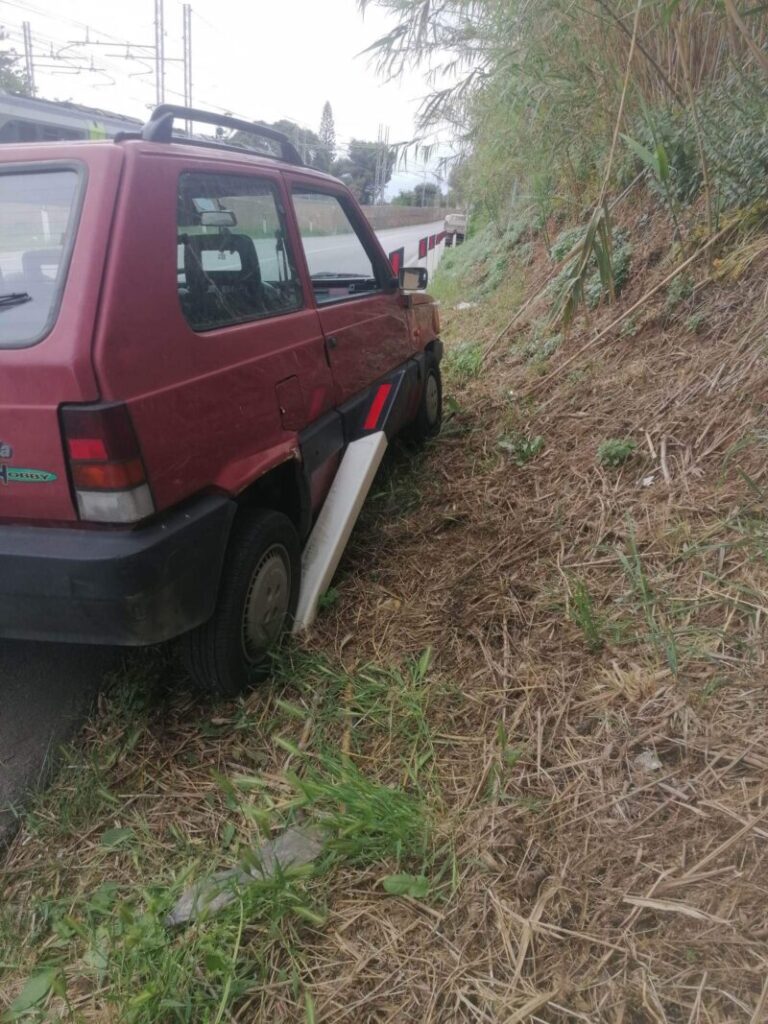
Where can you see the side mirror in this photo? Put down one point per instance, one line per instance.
(413, 279)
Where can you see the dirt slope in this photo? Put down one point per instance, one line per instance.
(607, 779)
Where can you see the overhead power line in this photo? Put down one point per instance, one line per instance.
(33, 9)
(71, 58)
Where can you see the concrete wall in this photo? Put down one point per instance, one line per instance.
(403, 216)
(320, 217)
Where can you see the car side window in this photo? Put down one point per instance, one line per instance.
(233, 260)
(339, 264)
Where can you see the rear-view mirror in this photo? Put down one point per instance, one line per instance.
(218, 219)
(413, 279)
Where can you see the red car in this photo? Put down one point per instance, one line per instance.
(192, 335)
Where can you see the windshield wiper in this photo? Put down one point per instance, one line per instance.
(14, 299)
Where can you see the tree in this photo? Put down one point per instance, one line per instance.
(458, 183)
(305, 140)
(12, 78)
(327, 135)
(425, 194)
(358, 169)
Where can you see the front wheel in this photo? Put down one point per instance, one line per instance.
(429, 417)
(257, 600)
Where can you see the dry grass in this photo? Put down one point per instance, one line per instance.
(589, 740)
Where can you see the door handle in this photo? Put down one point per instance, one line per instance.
(331, 341)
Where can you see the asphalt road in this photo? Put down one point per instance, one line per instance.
(408, 237)
(46, 690)
(344, 253)
(340, 254)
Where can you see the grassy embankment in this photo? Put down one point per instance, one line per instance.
(531, 722)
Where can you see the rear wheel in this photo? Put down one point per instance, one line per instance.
(257, 600)
(429, 417)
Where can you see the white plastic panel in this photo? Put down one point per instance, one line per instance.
(334, 525)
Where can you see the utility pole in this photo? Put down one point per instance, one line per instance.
(377, 168)
(382, 161)
(28, 56)
(160, 51)
(143, 52)
(187, 40)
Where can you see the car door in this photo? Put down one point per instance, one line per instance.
(210, 338)
(361, 311)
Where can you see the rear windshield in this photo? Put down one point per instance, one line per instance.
(38, 210)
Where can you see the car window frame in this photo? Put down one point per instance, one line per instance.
(362, 231)
(275, 185)
(73, 227)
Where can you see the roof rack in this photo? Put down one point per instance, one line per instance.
(159, 128)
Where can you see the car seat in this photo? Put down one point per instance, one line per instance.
(211, 296)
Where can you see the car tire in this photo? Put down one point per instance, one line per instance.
(429, 417)
(258, 594)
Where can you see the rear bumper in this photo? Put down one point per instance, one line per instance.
(126, 587)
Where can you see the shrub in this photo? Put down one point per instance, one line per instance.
(629, 328)
(595, 288)
(464, 362)
(621, 256)
(524, 253)
(695, 322)
(496, 270)
(541, 343)
(522, 447)
(615, 451)
(584, 615)
(680, 288)
(734, 135)
(673, 133)
(565, 242)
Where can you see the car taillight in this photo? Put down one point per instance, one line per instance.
(435, 319)
(105, 464)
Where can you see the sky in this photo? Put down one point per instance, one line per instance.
(258, 59)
